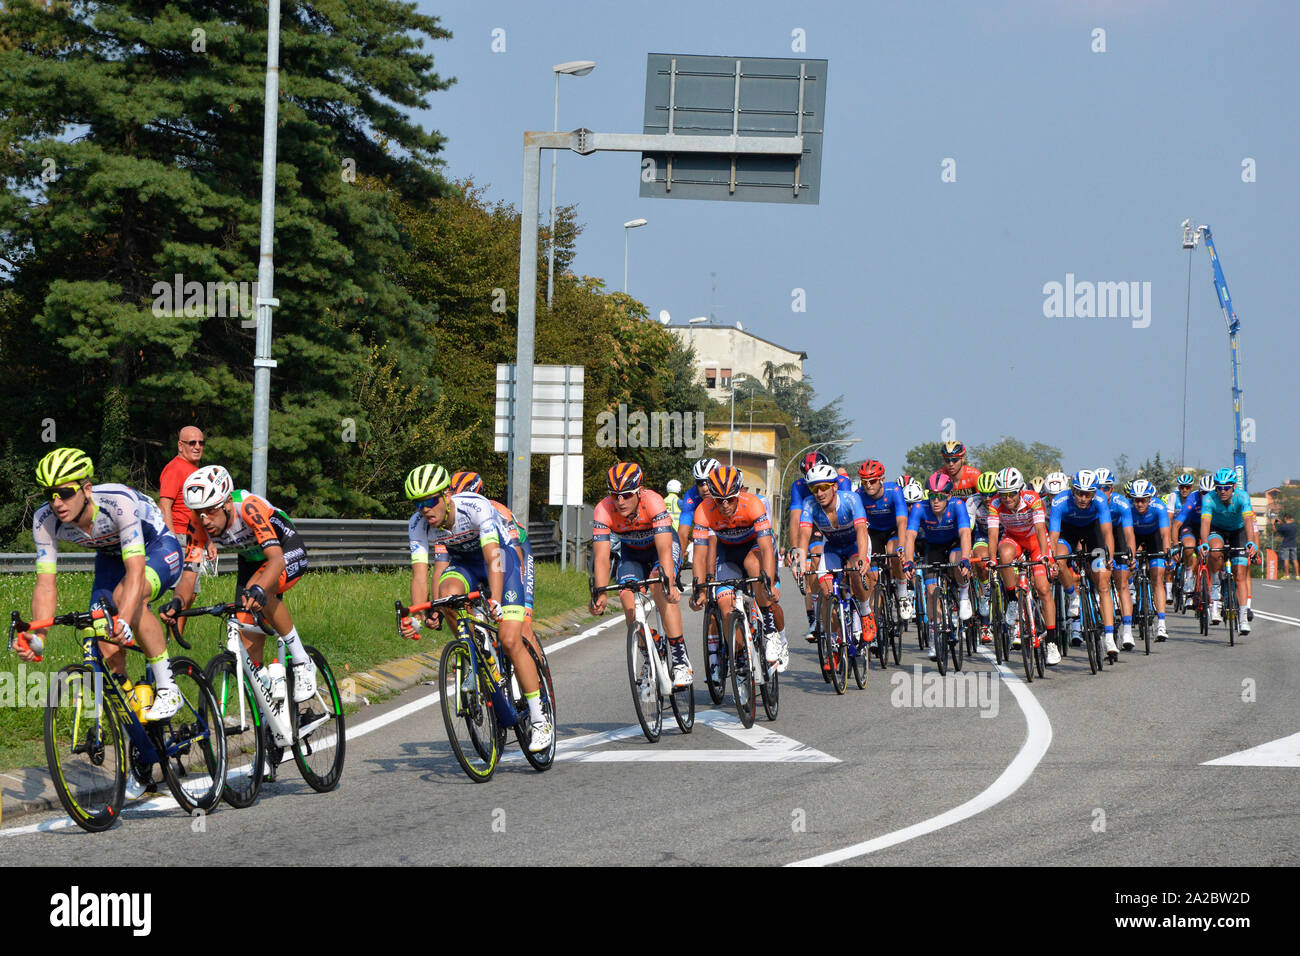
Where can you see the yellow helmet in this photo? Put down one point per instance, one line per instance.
(425, 481)
(63, 466)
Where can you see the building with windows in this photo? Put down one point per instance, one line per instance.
(724, 352)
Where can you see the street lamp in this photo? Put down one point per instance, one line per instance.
(777, 495)
(628, 227)
(571, 68)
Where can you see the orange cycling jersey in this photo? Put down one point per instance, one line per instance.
(965, 482)
(1020, 522)
(255, 524)
(650, 518)
(747, 523)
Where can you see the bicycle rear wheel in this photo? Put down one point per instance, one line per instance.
(541, 760)
(769, 687)
(1026, 638)
(1144, 616)
(85, 748)
(880, 646)
(191, 744)
(1228, 588)
(939, 629)
(824, 635)
(645, 684)
(242, 724)
(837, 649)
(467, 711)
(319, 738)
(742, 670)
(1203, 600)
(713, 624)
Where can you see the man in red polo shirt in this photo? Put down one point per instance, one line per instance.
(189, 453)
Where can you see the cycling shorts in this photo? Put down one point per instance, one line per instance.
(935, 552)
(529, 574)
(834, 559)
(1192, 531)
(162, 570)
(882, 542)
(637, 564)
(1153, 544)
(473, 573)
(1028, 547)
(730, 563)
(1234, 538)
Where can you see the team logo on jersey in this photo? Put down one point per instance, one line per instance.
(510, 597)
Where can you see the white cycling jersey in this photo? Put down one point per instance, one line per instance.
(124, 519)
(476, 523)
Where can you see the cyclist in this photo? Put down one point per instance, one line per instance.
(798, 492)
(465, 534)
(1020, 513)
(640, 519)
(1226, 519)
(964, 477)
(946, 528)
(691, 500)
(1081, 518)
(978, 510)
(1187, 529)
(1121, 523)
(1151, 534)
(733, 538)
(1185, 486)
(137, 559)
(1037, 483)
(1053, 485)
(843, 525)
(271, 560)
(472, 482)
(886, 511)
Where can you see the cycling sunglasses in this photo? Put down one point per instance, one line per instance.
(950, 458)
(822, 485)
(431, 502)
(624, 495)
(729, 498)
(938, 496)
(63, 492)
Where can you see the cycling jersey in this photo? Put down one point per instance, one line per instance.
(1190, 515)
(883, 513)
(800, 490)
(943, 527)
(1017, 517)
(977, 509)
(476, 524)
(1156, 518)
(1230, 516)
(123, 520)
(1121, 514)
(690, 501)
(747, 523)
(964, 485)
(1065, 511)
(254, 524)
(639, 531)
(840, 536)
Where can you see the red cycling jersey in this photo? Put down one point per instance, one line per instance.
(1017, 520)
(650, 518)
(747, 523)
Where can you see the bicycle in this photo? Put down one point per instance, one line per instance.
(1033, 629)
(944, 624)
(650, 674)
(1090, 622)
(817, 619)
(479, 688)
(888, 636)
(1228, 592)
(107, 732)
(747, 644)
(259, 715)
(1144, 609)
(1201, 593)
(836, 643)
(714, 645)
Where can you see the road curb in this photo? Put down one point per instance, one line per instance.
(27, 791)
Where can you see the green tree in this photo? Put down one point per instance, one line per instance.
(128, 156)
(1036, 459)
(923, 460)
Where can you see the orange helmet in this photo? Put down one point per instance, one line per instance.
(470, 481)
(623, 477)
(725, 482)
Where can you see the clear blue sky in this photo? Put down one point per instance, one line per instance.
(1067, 161)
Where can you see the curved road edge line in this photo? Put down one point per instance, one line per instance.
(1037, 740)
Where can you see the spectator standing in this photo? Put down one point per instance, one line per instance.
(189, 452)
(1286, 546)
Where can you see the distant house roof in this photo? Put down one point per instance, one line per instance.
(732, 328)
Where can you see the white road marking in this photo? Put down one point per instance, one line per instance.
(1283, 752)
(1037, 739)
(1280, 618)
(1275, 587)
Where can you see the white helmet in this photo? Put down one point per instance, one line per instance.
(1009, 481)
(820, 474)
(1206, 483)
(1056, 482)
(674, 487)
(913, 492)
(1104, 477)
(208, 487)
(703, 467)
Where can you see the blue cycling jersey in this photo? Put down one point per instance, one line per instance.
(843, 537)
(1157, 517)
(1191, 513)
(1121, 511)
(689, 501)
(883, 512)
(800, 490)
(1230, 516)
(942, 527)
(1065, 511)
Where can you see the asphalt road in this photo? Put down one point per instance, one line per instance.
(1073, 769)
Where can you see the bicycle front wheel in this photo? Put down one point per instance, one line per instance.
(541, 760)
(85, 749)
(192, 743)
(742, 670)
(242, 724)
(467, 711)
(641, 663)
(1026, 638)
(939, 630)
(318, 735)
(715, 681)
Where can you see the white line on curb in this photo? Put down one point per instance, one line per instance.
(1037, 740)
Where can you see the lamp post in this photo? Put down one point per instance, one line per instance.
(628, 227)
(571, 68)
(777, 495)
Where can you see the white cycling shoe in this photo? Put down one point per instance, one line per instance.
(964, 610)
(1053, 653)
(1216, 615)
(1161, 631)
(165, 705)
(1245, 626)
(683, 675)
(541, 737)
(1127, 639)
(304, 681)
(1012, 617)
(1111, 650)
(777, 651)
(905, 609)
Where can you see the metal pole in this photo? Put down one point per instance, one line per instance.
(524, 347)
(625, 232)
(731, 451)
(555, 156)
(564, 478)
(262, 361)
(775, 518)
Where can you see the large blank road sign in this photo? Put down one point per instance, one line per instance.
(734, 96)
(557, 408)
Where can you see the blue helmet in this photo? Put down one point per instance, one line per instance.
(1225, 476)
(1084, 480)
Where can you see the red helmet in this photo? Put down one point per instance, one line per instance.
(625, 476)
(812, 458)
(871, 470)
(939, 484)
(724, 482)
